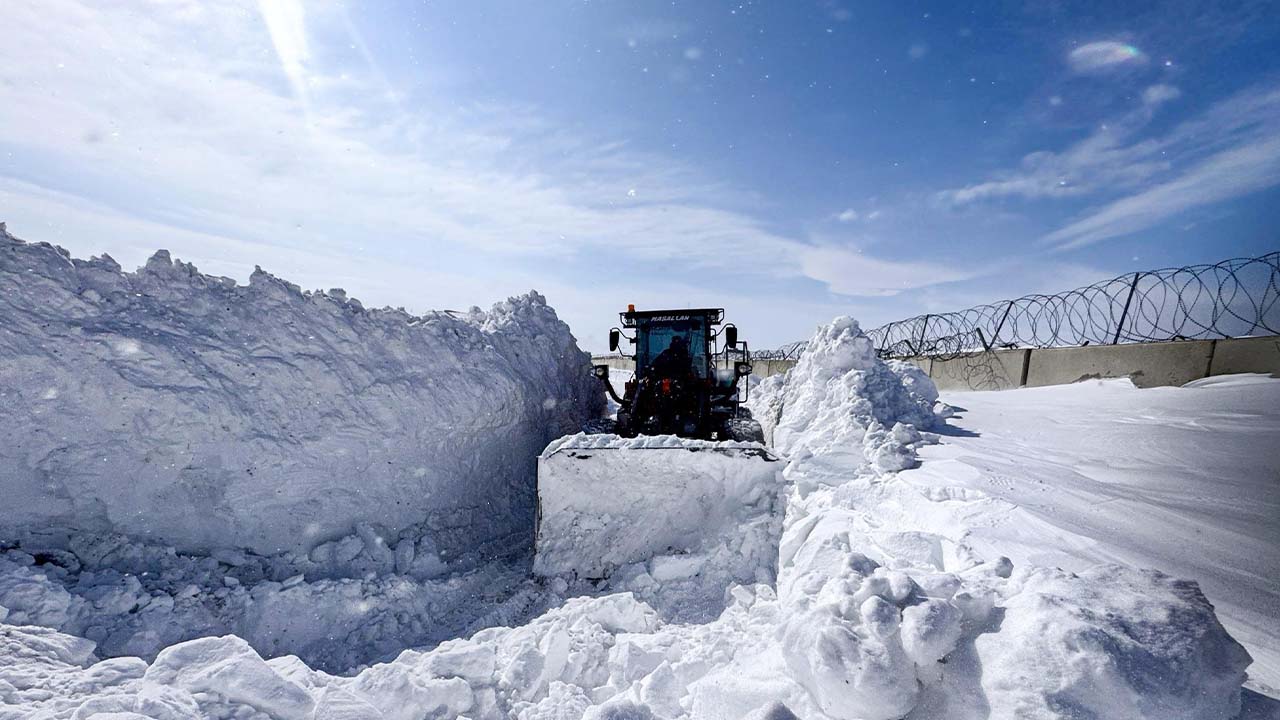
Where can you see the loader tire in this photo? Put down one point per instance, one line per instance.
(745, 430)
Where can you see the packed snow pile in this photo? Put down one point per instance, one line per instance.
(190, 411)
(889, 612)
(656, 514)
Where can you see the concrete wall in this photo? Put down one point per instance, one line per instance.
(614, 361)
(999, 370)
(1246, 355)
(1147, 364)
(765, 368)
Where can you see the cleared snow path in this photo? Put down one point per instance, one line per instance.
(1185, 480)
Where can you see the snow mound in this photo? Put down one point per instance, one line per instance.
(194, 412)
(888, 611)
(840, 398)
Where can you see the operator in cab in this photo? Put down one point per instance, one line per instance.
(674, 362)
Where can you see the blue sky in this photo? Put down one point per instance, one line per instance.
(790, 161)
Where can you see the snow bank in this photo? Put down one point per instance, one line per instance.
(888, 614)
(190, 411)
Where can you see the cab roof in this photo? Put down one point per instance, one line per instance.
(712, 316)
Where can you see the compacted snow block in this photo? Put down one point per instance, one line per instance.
(605, 502)
(188, 410)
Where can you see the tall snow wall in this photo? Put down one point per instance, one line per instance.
(185, 409)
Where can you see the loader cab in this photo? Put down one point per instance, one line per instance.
(655, 336)
(665, 396)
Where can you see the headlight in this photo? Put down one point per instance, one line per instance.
(742, 369)
(601, 371)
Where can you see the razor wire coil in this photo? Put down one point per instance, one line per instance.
(1233, 298)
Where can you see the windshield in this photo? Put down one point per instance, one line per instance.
(657, 337)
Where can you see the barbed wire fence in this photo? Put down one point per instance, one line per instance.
(1233, 298)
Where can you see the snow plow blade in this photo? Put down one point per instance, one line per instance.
(605, 501)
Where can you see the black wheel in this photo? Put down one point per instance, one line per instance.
(745, 430)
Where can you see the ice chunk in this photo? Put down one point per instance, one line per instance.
(930, 630)
(228, 666)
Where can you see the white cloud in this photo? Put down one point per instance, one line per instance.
(1116, 159)
(1104, 56)
(1160, 93)
(849, 272)
(1229, 173)
(850, 215)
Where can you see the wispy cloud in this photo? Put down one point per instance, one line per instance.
(1226, 174)
(1104, 56)
(849, 272)
(1160, 93)
(1226, 151)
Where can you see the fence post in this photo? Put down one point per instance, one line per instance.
(996, 335)
(924, 325)
(1125, 312)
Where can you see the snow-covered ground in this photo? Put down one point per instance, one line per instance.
(889, 602)
(1185, 480)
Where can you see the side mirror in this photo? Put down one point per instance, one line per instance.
(730, 337)
(600, 371)
(613, 339)
(742, 369)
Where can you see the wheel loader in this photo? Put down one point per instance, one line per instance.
(682, 386)
(617, 494)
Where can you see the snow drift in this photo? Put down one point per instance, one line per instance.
(188, 410)
(890, 613)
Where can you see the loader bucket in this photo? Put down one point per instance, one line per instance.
(605, 501)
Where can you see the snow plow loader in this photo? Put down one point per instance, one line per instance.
(681, 455)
